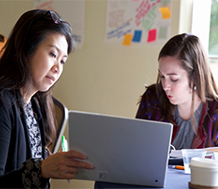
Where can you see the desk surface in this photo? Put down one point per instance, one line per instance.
(175, 179)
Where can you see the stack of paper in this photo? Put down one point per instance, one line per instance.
(212, 152)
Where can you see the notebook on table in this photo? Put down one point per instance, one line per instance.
(122, 150)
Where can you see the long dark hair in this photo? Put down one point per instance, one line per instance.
(188, 49)
(29, 31)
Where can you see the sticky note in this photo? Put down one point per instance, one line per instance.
(165, 11)
(152, 35)
(162, 34)
(137, 36)
(127, 39)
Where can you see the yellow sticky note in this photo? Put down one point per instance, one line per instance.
(165, 11)
(127, 39)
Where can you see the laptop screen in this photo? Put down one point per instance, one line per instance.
(122, 150)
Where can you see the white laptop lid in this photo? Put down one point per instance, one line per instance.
(122, 150)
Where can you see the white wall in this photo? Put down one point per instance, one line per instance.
(101, 78)
(106, 78)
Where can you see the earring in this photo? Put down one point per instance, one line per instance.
(195, 88)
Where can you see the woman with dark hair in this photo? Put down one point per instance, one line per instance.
(185, 94)
(32, 62)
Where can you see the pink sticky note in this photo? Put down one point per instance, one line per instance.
(127, 39)
(152, 35)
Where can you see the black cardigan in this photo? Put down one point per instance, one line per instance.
(15, 146)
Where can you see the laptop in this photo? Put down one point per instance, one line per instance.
(122, 150)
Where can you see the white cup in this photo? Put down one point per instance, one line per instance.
(215, 155)
(204, 172)
(188, 154)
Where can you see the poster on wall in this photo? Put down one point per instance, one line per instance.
(144, 22)
(71, 11)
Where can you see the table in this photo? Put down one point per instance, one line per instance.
(174, 179)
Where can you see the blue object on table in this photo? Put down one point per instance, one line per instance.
(175, 161)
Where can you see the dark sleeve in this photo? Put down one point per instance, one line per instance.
(11, 180)
(141, 112)
(149, 106)
(215, 132)
(31, 174)
(211, 124)
(31, 169)
(5, 138)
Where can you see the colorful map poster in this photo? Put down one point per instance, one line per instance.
(71, 11)
(143, 22)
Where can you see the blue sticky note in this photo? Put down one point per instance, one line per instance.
(137, 36)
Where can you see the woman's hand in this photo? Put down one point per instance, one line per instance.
(63, 165)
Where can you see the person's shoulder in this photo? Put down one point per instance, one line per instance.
(211, 107)
(6, 95)
(212, 102)
(150, 93)
(151, 89)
